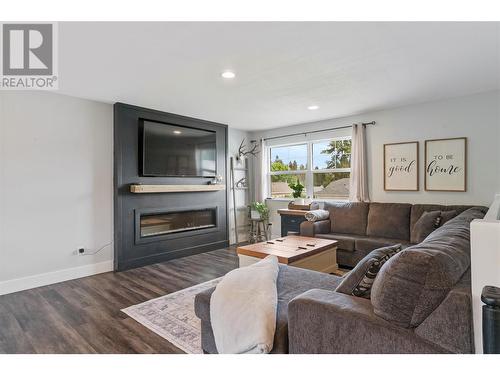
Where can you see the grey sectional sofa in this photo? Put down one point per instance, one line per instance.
(360, 228)
(420, 303)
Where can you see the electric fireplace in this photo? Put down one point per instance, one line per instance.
(164, 223)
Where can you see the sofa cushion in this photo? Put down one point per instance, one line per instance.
(291, 282)
(367, 244)
(390, 220)
(359, 281)
(428, 222)
(345, 241)
(450, 325)
(414, 282)
(348, 217)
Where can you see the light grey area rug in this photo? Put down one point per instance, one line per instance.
(172, 317)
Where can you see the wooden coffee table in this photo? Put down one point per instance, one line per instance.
(305, 252)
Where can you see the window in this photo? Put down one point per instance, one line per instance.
(323, 167)
(287, 164)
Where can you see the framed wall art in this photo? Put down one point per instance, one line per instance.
(446, 164)
(401, 166)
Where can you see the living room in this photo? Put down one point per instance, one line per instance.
(250, 187)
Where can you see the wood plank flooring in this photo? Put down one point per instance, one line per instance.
(83, 315)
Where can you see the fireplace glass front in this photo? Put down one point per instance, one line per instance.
(158, 224)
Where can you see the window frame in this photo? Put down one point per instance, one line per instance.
(309, 171)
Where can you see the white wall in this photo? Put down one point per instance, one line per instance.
(56, 157)
(56, 188)
(498, 143)
(475, 117)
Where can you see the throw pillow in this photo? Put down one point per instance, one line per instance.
(359, 281)
(425, 225)
(447, 216)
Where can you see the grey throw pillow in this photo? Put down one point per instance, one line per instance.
(428, 222)
(359, 281)
(447, 216)
(426, 225)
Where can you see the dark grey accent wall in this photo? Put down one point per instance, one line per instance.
(128, 251)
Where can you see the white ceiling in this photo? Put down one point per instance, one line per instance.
(281, 68)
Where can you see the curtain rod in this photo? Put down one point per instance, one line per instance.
(315, 131)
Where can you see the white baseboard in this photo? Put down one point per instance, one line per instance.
(42, 279)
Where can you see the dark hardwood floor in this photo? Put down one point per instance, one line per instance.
(83, 315)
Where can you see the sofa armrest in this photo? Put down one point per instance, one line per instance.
(450, 325)
(311, 228)
(322, 321)
(202, 304)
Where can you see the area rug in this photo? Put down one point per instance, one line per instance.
(172, 317)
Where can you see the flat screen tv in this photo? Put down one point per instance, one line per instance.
(177, 151)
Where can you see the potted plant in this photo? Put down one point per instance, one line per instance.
(297, 188)
(259, 211)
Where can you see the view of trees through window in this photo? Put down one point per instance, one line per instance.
(327, 178)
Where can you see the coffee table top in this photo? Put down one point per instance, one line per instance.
(288, 249)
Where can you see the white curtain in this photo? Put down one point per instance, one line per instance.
(261, 175)
(359, 173)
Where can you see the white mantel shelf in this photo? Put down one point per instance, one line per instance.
(142, 189)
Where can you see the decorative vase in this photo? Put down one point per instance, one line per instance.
(299, 201)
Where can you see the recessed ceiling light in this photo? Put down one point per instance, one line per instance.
(313, 107)
(177, 132)
(228, 74)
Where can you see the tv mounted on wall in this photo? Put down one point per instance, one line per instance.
(176, 151)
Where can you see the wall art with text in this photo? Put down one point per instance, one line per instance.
(446, 164)
(401, 166)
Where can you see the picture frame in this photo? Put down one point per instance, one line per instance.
(401, 166)
(446, 164)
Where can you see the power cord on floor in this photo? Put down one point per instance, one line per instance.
(81, 251)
